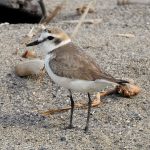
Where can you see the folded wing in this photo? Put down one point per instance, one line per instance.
(71, 62)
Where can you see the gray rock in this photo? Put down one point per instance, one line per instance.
(20, 11)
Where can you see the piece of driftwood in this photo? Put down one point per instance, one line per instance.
(29, 68)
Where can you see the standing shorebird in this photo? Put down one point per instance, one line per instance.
(70, 67)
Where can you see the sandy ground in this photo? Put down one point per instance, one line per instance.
(120, 123)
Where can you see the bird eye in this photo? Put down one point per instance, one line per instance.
(50, 37)
(45, 30)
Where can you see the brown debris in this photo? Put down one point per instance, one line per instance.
(29, 54)
(128, 90)
(80, 10)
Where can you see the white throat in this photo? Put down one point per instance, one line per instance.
(50, 47)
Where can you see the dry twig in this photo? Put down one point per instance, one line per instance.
(87, 21)
(54, 13)
(127, 35)
(81, 20)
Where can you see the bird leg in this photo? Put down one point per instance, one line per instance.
(88, 116)
(72, 108)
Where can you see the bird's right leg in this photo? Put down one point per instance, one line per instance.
(72, 109)
(88, 116)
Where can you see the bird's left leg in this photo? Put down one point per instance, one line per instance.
(72, 109)
(89, 111)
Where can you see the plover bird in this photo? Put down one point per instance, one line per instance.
(70, 67)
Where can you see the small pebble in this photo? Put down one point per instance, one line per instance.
(63, 138)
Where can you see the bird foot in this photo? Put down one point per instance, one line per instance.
(70, 127)
(86, 129)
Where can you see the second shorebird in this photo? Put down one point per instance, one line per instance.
(70, 67)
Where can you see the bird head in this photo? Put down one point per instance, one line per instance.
(51, 39)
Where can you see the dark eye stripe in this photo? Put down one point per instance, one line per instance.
(50, 37)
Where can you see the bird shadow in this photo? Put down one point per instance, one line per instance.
(23, 120)
(21, 117)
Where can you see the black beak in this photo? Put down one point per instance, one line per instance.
(33, 43)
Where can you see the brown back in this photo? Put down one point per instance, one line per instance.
(71, 62)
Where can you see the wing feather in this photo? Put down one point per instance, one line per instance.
(71, 62)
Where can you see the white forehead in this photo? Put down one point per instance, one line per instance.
(43, 36)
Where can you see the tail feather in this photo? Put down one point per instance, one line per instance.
(122, 81)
